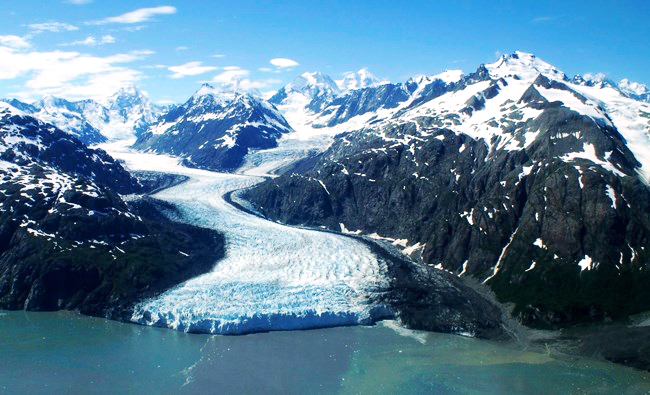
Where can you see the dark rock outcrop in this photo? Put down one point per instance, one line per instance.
(563, 236)
(68, 240)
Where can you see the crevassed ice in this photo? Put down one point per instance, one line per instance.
(273, 276)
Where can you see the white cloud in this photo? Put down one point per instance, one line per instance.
(79, 2)
(14, 41)
(595, 76)
(182, 48)
(218, 56)
(265, 69)
(92, 41)
(69, 74)
(52, 27)
(231, 73)
(134, 28)
(155, 66)
(283, 63)
(248, 85)
(190, 68)
(235, 77)
(137, 16)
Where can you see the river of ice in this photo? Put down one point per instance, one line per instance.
(273, 277)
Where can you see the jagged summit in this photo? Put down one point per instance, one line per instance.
(634, 90)
(358, 80)
(126, 95)
(205, 89)
(599, 80)
(122, 115)
(312, 84)
(523, 65)
(633, 87)
(215, 128)
(50, 102)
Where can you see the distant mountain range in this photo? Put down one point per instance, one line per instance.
(123, 115)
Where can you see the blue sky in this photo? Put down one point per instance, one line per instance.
(83, 48)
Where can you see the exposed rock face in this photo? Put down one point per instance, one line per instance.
(215, 129)
(512, 175)
(425, 298)
(68, 240)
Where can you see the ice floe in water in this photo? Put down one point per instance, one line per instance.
(273, 277)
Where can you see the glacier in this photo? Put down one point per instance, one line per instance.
(273, 277)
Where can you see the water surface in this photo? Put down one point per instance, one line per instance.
(63, 352)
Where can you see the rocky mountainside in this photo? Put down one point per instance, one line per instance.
(125, 114)
(68, 237)
(516, 175)
(215, 129)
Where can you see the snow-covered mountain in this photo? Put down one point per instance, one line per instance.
(531, 182)
(308, 92)
(215, 128)
(357, 80)
(68, 240)
(130, 112)
(67, 116)
(312, 101)
(634, 90)
(123, 115)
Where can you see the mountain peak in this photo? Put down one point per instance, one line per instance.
(127, 96)
(589, 79)
(634, 89)
(49, 102)
(523, 65)
(308, 85)
(313, 79)
(205, 89)
(449, 76)
(129, 90)
(358, 80)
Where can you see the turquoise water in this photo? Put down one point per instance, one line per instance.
(66, 353)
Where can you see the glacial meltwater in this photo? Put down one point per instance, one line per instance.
(62, 352)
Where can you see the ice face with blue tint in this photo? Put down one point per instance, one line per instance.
(273, 277)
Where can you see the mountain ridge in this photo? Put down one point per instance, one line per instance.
(216, 128)
(464, 171)
(68, 238)
(123, 115)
